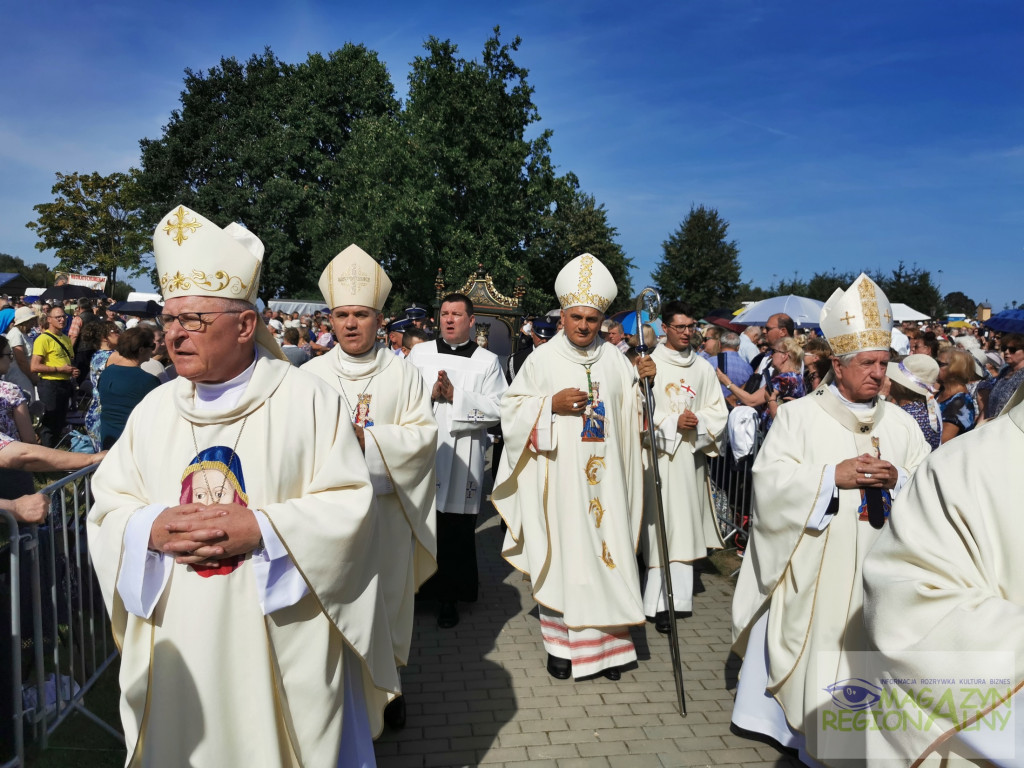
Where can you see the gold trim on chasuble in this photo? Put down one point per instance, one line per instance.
(592, 471)
(874, 336)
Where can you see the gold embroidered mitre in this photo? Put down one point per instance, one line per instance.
(858, 319)
(195, 257)
(353, 278)
(585, 282)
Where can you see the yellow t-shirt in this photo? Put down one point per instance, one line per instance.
(53, 354)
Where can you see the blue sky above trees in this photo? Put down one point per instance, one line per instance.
(828, 135)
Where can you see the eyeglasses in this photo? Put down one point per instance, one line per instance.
(683, 326)
(193, 321)
(1011, 350)
(779, 352)
(772, 327)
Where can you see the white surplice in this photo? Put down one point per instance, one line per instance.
(806, 574)
(685, 381)
(462, 437)
(401, 441)
(209, 678)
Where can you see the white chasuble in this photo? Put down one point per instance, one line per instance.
(387, 397)
(462, 437)
(685, 381)
(809, 580)
(945, 584)
(570, 487)
(208, 679)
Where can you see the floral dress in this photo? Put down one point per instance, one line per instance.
(92, 416)
(958, 410)
(11, 397)
(790, 386)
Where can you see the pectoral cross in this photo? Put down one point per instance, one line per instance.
(476, 416)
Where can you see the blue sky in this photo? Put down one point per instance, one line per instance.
(829, 135)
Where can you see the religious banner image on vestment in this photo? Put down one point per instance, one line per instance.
(215, 477)
(593, 415)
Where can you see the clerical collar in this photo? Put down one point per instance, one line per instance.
(363, 358)
(849, 403)
(226, 394)
(465, 349)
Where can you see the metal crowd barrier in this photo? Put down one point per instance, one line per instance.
(63, 615)
(732, 494)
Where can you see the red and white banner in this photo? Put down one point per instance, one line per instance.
(96, 282)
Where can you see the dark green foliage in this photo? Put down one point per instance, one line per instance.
(38, 275)
(700, 266)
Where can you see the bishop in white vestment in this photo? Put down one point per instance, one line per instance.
(689, 418)
(466, 385)
(824, 481)
(944, 586)
(234, 542)
(388, 404)
(570, 487)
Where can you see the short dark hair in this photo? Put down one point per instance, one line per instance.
(674, 308)
(459, 297)
(414, 333)
(291, 336)
(133, 341)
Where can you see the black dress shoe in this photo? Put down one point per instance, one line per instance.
(447, 615)
(661, 622)
(613, 673)
(560, 669)
(394, 712)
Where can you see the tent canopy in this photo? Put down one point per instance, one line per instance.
(903, 313)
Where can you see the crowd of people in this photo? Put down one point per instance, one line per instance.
(293, 482)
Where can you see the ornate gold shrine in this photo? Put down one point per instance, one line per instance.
(497, 315)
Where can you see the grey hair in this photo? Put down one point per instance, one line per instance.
(730, 339)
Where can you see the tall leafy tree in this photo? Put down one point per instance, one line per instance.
(481, 185)
(960, 302)
(260, 142)
(700, 264)
(913, 286)
(576, 224)
(95, 224)
(38, 275)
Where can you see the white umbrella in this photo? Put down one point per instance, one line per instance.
(806, 313)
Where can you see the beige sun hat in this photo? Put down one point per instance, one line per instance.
(918, 373)
(195, 257)
(585, 282)
(24, 315)
(858, 319)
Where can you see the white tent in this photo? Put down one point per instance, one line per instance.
(902, 313)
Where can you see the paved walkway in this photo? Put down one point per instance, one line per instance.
(479, 694)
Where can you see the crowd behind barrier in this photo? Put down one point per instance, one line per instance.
(58, 641)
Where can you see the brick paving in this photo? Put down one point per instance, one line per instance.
(479, 694)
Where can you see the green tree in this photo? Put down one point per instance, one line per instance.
(959, 302)
(94, 225)
(914, 287)
(481, 189)
(38, 275)
(576, 224)
(260, 143)
(700, 265)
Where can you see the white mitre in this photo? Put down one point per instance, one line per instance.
(195, 257)
(585, 282)
(858, 319)
(353, 278)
